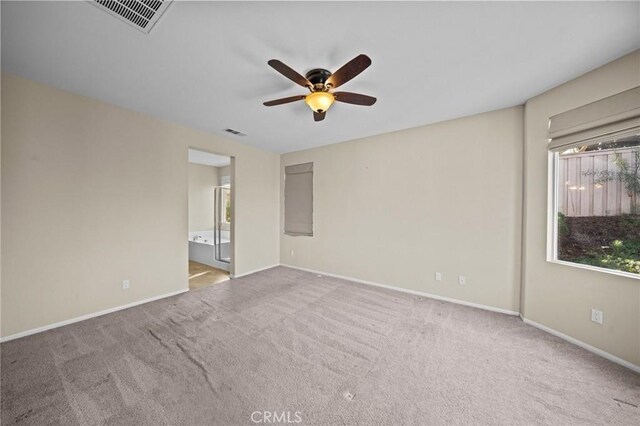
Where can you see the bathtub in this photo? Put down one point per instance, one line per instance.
(201, 248)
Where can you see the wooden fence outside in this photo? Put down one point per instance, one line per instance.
(580, 193)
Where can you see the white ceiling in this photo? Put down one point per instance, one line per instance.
(208, 159)
(205, 64)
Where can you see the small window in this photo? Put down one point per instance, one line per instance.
(298, 199)
(597, 205)
(226, 205)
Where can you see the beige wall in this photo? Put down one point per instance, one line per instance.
(0, 211)
(202, 180)
(223, 171)
(81, 179)
(395, 208)
(558, 296)
(93, 194)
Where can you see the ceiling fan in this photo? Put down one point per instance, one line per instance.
(321, 82)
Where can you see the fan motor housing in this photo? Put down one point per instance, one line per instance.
(318, 77)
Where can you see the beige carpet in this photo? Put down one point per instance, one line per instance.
(323, 350)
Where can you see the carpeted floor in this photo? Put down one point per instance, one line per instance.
(320, 350)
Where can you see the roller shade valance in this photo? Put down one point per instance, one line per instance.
(610, 118)
(298, 168)
(298, 199)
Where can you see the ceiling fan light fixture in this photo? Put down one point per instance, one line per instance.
(319, 101)
(320, 81)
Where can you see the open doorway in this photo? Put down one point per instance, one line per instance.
(210, 218)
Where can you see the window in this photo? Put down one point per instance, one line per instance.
(595, 212)
(225, 183)
(298, 199)
(598, 205)
(226, 204)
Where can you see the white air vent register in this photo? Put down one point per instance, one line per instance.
(141, 14)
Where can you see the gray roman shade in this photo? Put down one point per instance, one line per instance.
(298, 199)
(605, 120)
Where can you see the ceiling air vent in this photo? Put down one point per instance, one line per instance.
(141, 14)
(234, 132)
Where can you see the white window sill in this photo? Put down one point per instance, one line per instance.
(597, 269)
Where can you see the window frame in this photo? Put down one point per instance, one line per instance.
(552, 224)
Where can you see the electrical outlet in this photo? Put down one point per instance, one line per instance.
(462, 280)
(125, 284)
(292, 253)
(597, 316)
(438, 276)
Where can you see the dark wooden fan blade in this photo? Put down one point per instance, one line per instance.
(349, 70)
(284, 100)
(354, 98)
(289, 73)
(318, 116)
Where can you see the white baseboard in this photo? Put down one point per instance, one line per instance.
(111, 310)
(569, 339)
(584, 345)
(88, 316)
(414, 292)
(254, 271)
(556, 333)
